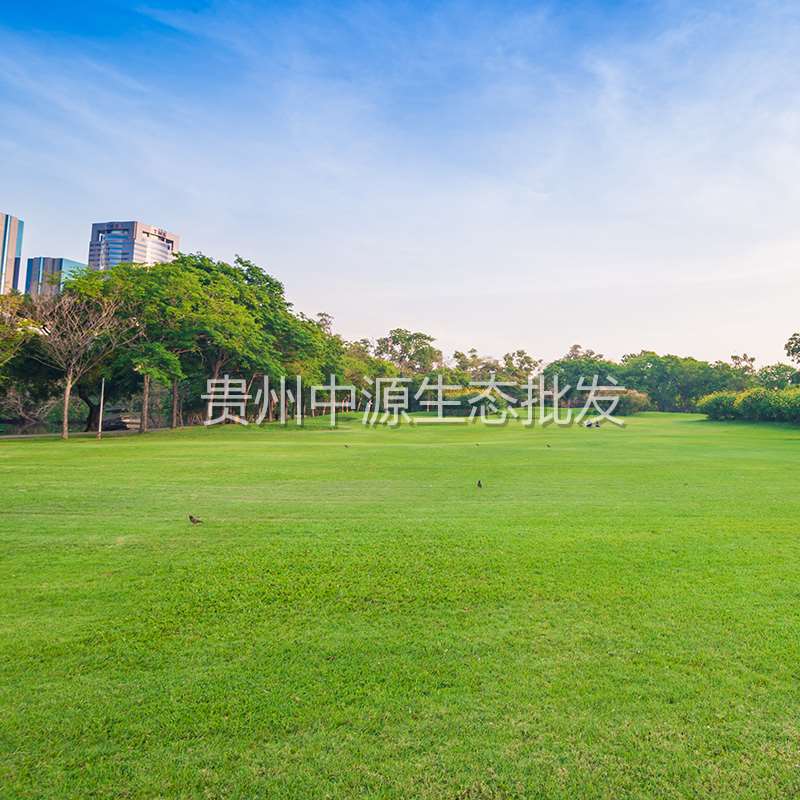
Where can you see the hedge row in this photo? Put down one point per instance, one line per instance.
(772, 405)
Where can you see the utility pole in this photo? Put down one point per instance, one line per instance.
(100, 419)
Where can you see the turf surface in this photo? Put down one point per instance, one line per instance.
(616, 615)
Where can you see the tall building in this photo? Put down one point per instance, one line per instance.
(46, 276)
(130, 242)
(11, 230)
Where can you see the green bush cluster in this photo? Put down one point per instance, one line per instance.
(465, 408)
(632, 402)
(759, 404)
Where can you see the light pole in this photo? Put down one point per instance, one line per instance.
(102, 399)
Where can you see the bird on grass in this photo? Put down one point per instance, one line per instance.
(547, 445)
(194, 520)
(480, 485)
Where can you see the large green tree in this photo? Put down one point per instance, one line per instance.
(793, 348)
(15, 327)
(167, 304)
(361, 367)
(579, 363)
(676, 383)
(777, 376)
(412, 352)
(200, 317)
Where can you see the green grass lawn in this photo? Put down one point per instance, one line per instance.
(616, 615)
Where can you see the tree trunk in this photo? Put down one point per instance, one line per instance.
(93, 416)
(175, 400)
(143, 421)
(68, 380)
(214, 377)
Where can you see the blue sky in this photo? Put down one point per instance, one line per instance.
(500, 174)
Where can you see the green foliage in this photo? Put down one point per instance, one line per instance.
(15, 328)
(360, 366)
(518, 366)
(465, 408)
(743, 364)
(412, 353)
(777, 376)
(676, 383)
(576, 364)
(792, 347)
(471, 366)
(789, 400)
(154, 360)
(515, 366)
(718, 405)
(632, 402)
(198, 318)
(756, 405)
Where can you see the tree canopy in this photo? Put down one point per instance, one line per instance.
(178, 324)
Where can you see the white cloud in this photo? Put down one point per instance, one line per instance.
(490, 178)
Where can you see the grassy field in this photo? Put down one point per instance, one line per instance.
(616, 615)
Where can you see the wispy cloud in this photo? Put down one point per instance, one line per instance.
(384, 159)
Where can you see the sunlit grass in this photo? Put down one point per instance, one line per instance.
(615, 615)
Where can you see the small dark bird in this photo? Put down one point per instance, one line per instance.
(547, 445)
(194, 520)
(480, 485)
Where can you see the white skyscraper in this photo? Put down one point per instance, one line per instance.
(130, 242)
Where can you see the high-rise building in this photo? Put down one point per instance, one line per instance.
(11, 230)
(46, 276)
(130, 242)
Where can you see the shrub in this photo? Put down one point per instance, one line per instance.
(632, 402)
(465, 408)
(719, 405)
(790, 404)
(758, 404)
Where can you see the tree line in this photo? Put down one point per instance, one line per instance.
(169, 327)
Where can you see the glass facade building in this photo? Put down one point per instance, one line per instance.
(46, 276)
(11, 230)
(130, 242)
